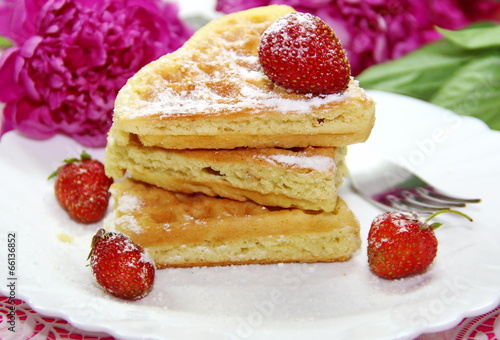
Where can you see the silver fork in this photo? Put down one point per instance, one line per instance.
(391, 186)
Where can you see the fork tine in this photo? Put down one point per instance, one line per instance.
(432, 193)
(401, 204)
(426, 199)
(414, 199)
(383, 183)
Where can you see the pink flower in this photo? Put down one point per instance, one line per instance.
(374, 31)
(70, 58)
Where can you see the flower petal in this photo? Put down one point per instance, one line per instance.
(32, 121)
(10, 88)
(64, 75)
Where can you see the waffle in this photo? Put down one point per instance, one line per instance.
(305, 178)
(212, 94)
(180, 230)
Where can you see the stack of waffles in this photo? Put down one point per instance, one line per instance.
(215, 165)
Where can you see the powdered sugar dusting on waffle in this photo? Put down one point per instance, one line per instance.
(127, 203)
(318, 163)
(130, 223)
(228, 82)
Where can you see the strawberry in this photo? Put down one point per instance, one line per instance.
(123, 268)
(400, 244)
(82, 188)
(300, 52)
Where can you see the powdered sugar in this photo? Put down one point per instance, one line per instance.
(146, 258)
(279, 41)
(130, 223)
(318, 163)
(223, 81)
(128, 203)
(129, 246)
(403, 219)
(402, 227)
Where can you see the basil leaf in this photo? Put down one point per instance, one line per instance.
(474, 91)
(474, 37)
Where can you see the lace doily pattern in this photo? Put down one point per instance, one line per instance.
(25, 323)
(22, 322)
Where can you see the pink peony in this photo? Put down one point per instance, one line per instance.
(70, 58)
(374, 31)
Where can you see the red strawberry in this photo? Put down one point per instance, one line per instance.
(302, 53)
(123, 268)
(400, 244)
(82, 188)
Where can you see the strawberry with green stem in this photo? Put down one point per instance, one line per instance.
(400, 244)
(82, 188)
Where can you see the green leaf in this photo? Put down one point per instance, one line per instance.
(460, 72)
(474, 91)
(5, 43)
(420, 73)
(85, 155)
(478, 36)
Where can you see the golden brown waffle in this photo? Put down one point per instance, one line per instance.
(305, 178)
(180, 230)
(212, 93)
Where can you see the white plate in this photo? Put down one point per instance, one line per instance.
(292, 301)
